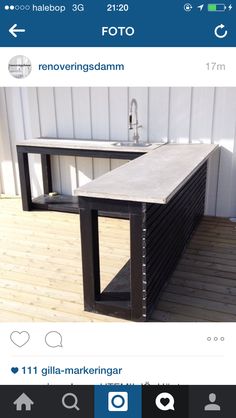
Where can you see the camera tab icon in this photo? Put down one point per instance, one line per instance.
(118, 402)
(122, 401)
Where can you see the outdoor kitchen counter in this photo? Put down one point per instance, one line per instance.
(47, 147)
(152, 178)
(162, 193)
(85, 144)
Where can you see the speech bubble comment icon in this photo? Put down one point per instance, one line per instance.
(165, 402)
(53, 339)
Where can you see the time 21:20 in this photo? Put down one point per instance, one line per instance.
(113, 7)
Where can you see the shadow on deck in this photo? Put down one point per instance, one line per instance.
(203, 286)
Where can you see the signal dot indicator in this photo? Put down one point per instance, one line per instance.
(7, 7)
(12, 7)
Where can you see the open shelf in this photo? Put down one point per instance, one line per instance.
(60, 203)
(67, 203)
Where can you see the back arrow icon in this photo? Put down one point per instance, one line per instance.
(218, 29)
(13, 31)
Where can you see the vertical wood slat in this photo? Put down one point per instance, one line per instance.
(179, 117)
(32, 130)
(100, 125)
(65, 129)
(158, 114)
(233, 177)
(7, 176)
(82, 129)
(100, 113)
(118, 114)
(224, 134)
(202, 114)
(16, 126)
(48, 127)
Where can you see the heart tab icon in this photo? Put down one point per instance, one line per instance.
(20, 338)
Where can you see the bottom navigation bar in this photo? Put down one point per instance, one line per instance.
(129, 401)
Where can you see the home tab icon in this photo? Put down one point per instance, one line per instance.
(23, 403)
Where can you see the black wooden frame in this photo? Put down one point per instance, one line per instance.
(120, 304)
(39, 203)
(158, 235)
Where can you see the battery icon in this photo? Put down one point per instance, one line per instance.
(216, 7)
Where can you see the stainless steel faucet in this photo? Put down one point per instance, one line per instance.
(133, 120)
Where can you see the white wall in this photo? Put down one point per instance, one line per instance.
(177, 115)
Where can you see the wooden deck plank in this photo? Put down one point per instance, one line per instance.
(203, 294)
(192, 311)
(199, 277)
(41, 272)
(162, 316)
(203, 286)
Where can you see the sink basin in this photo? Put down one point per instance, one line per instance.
(132, 144)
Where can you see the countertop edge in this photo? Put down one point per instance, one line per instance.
(103, 195)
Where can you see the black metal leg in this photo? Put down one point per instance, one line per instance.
(136, 268)
(47, 174)
(23, 162)
(90, 256)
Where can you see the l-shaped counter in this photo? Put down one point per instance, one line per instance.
(152, 178)
(162, 193)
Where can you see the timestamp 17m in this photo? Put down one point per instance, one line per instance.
(214, 66)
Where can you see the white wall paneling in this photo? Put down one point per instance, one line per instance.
(65, 129)
(48, 127)
(167, 114)
(180, 109)
(202, 115)
(7, 171)
(81, 107)
(100, 123)
(32, 130)
(159, 101)
(224, 135)
(16, 126)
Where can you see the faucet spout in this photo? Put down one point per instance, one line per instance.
(133, 120)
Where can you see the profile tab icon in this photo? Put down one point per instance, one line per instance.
(212, 406)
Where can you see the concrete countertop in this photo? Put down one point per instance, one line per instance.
(86, 144)
(152, 178)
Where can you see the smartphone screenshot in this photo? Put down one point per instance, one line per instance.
(117, 209)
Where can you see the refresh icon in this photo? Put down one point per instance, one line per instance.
(220, 31)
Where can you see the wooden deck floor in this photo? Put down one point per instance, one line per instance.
(40, 263)
(41, 277)
(203, 286)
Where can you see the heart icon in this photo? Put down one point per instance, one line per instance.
(20, 338)
(165, 401)
(14, 370)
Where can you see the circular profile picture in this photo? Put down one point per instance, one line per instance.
(19, 66)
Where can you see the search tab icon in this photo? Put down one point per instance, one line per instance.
(70, 401)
